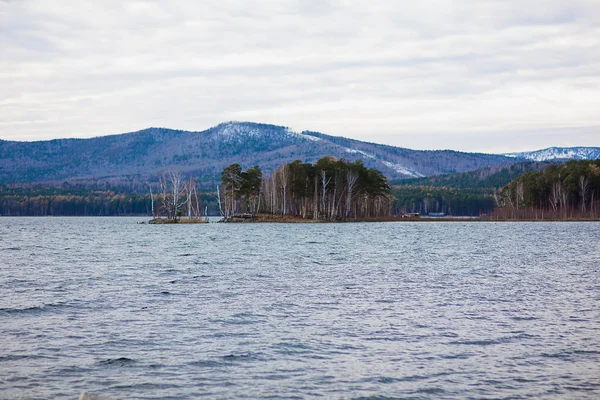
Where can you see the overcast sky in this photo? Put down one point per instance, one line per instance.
(472, 75)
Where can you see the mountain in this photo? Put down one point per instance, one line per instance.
(559, 153)
(150, 152)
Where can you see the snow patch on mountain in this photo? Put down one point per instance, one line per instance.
(401, 169)
(231, 130)
(235, 131)
(303, 136)
(364, 153)
(559, 153)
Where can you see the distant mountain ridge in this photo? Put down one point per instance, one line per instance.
(559, 153)
(145, 154)
(150, 152)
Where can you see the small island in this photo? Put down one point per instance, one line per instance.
(327, 191)
(177, 196)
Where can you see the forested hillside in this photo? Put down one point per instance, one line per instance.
(484, 178)
(144, 155)
(563, 191)
(468, 193)
(559, 153)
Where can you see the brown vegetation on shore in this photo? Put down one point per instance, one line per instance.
(541, 214)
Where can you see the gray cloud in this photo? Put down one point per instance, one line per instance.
(478, 76)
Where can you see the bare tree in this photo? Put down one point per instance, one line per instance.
(507, 197)
(193, 205)
(316, 198)
(351, 179)
(555, 194)
(520, 194)
(564, 198)
(324, 183)
(583, 188)
(219, 201)
(151, 198)
(172, 193)
(496, 198)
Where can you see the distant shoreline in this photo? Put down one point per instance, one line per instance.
(291, 220)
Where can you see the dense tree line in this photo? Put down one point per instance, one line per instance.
(29, 202)
(43, 201)
(460, 194)
(426, 200)
(329, 189)
(564, 191)
(241, 190)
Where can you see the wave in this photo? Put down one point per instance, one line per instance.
(118, 362)
(50, 307)
(206, 364)
(570, 354)
(17, 357)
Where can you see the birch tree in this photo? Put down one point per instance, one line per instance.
(172, 194)
(583, 188)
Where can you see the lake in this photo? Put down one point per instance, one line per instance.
(407, 310)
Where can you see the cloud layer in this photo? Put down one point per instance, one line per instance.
(480, 76)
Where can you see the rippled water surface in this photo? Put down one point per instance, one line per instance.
(365, 310)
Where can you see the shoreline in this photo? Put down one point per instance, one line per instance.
(177, 221)
(293, 220)
(261, 219)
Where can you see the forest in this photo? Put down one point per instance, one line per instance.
(42, 201)
(490, 177)
(560, 191)
(330, 189)
(460, 194)
(442, 200)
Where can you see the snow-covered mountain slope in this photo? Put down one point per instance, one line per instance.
(145, 154)
(559, 153)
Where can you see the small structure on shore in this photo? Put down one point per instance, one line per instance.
(243, 217)
(198, 220)
(411, 215)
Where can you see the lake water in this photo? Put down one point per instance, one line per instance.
(367, 310)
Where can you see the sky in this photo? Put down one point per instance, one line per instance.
(471, 75)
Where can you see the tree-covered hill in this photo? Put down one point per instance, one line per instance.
(560, 191)
(145, 154)
(467, 193)
(559, 153)
(484, 178)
